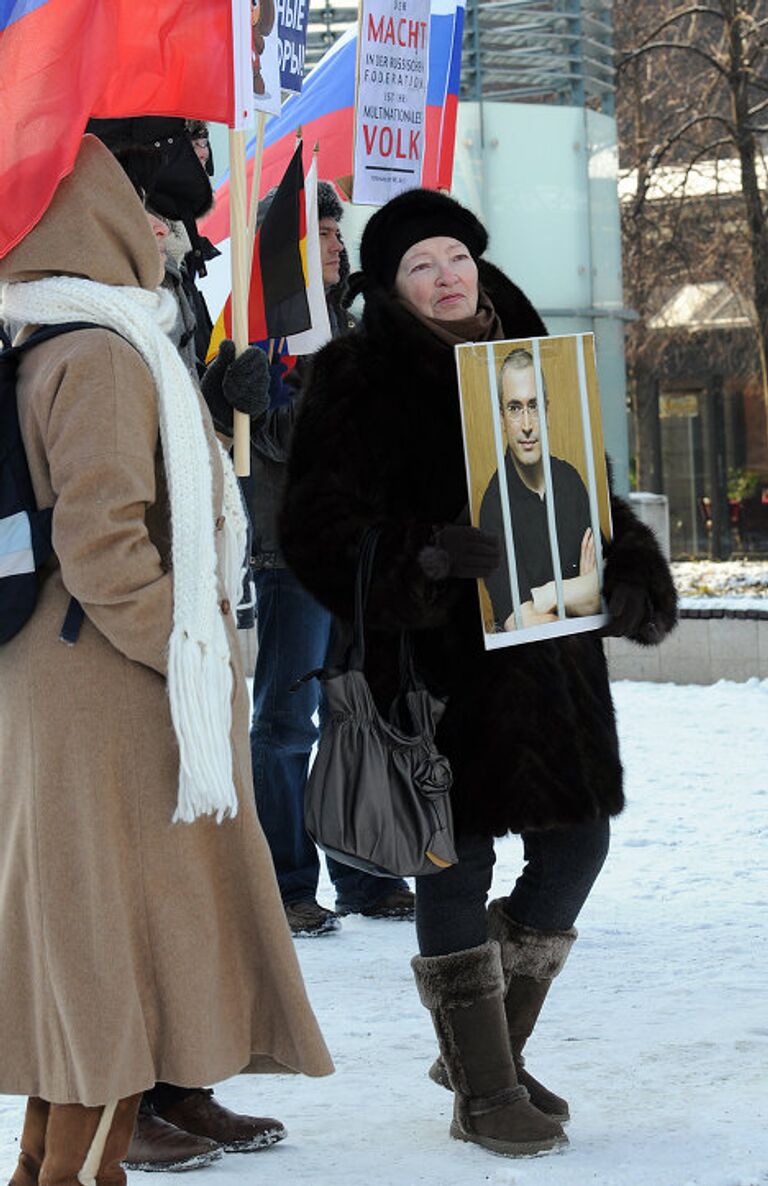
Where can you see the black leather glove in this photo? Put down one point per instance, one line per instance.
(631, 613)
(241, 383)
(460, 551)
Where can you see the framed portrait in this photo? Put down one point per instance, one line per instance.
(536, 471)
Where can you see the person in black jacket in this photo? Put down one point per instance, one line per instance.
(293, 631)
(529, 730)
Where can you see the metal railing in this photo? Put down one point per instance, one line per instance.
(537, 51)
(327, 22)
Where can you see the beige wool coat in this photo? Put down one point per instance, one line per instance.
(131, 949)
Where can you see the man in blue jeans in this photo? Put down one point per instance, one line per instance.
(293, 631)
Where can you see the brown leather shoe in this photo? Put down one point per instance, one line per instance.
(399, 903)
(308, 919)
(158, 1145)
(199, 1113)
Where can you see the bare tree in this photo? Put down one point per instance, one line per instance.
(693, 112)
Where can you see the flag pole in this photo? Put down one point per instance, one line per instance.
(240, 263)
(253, 211)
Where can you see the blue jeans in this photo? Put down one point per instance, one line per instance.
(561, 866)
(293, 635)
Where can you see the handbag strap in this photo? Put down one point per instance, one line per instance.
(370, 539)
(409, 680)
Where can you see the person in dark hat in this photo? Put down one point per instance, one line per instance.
(293, 632)
(178, 190)
(201, 143)
(529, 730)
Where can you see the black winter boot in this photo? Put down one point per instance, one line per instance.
(464, 992)
(530, 960)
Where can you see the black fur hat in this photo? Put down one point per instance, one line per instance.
(407, 219)
(180, 188)
(328, 204)
(157, 154)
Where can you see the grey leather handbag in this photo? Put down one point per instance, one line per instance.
(378, 794)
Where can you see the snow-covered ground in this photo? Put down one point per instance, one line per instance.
(657, 1030)
(721, 578)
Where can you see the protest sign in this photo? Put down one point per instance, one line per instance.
(292, 21)
(392, 76)
(266, 57)
(537, 480)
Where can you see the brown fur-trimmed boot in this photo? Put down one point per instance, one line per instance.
(85, 1146)
(530, 960)
(464, 992)
(31, 1143)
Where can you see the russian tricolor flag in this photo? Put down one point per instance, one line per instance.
(62, 61)
(325, 113)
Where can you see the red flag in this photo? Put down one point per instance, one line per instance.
(63, 61)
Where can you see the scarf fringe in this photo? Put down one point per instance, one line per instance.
(205, 771)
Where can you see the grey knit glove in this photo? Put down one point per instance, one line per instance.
(241, 383)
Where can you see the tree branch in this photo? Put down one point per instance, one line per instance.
(658, 155)
(681, 14)
(635, 54)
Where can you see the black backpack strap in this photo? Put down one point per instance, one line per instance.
(45, 332)
(73, 619)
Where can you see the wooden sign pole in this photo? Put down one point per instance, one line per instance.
(240, 264)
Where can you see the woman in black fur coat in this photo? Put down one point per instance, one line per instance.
(529, 730)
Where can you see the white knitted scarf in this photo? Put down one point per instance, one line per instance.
(199, 671)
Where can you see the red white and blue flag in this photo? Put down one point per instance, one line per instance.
(325, 113)
(63, 61)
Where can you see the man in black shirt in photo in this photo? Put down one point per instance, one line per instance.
(520, 410)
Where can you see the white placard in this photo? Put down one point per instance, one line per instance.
(242, 43)
(391, 97)
(265, 47)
